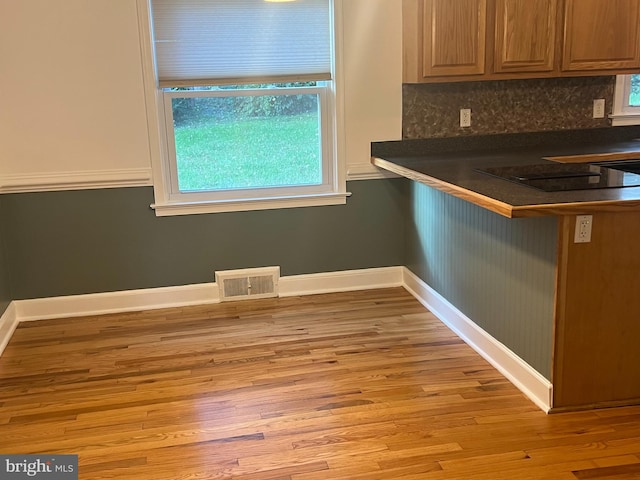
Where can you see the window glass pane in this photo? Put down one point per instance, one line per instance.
(240, 142)
(634, 96)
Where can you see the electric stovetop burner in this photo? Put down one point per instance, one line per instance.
(558, 177)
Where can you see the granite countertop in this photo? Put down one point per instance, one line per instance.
(450, 165)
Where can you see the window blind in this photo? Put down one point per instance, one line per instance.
(215, 42)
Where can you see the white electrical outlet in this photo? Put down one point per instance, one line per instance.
(583, 228)
(598, 108)
(465, 117)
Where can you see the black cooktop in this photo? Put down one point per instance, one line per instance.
(558, 177)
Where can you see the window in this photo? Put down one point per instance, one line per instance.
(244, 99)
(626, 108)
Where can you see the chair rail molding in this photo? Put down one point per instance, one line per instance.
(78, 180)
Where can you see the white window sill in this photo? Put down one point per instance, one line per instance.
(625, 119)
(193, 208)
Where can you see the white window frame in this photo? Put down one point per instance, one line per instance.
(169, 201)
(325, 111)
(623, 113)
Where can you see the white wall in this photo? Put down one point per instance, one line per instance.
(72, 111)
(372, 66)
(71, 92)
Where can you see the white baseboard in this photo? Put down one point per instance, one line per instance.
(522, 375)
(342, 281)
(537, 388)
(8, 324)
(115, 302)
(198, 294)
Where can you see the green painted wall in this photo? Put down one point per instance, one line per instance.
(499, 272)
(5, 290)
(78, 242)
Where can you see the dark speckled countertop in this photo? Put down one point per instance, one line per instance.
(450, 165)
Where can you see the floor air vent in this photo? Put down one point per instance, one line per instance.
(249, 283)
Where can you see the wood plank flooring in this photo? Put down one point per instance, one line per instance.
(349, 386)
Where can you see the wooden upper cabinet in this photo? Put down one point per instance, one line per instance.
(525, 35)
(456, 40)
(601, 35)
(454, 37)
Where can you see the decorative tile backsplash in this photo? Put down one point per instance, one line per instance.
(506, 106)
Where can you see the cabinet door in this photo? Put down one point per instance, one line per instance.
(454, 35)
(601, 35)
(525, 35)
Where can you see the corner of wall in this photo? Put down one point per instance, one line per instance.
(5, 285)
(529, 381)
(8, 325)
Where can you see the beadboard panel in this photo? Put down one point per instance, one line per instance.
(499, 272)
(90, 241)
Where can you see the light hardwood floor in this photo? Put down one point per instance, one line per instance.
(360, 385)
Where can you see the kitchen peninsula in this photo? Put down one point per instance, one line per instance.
(585, 342)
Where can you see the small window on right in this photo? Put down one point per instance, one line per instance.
(626, 105)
